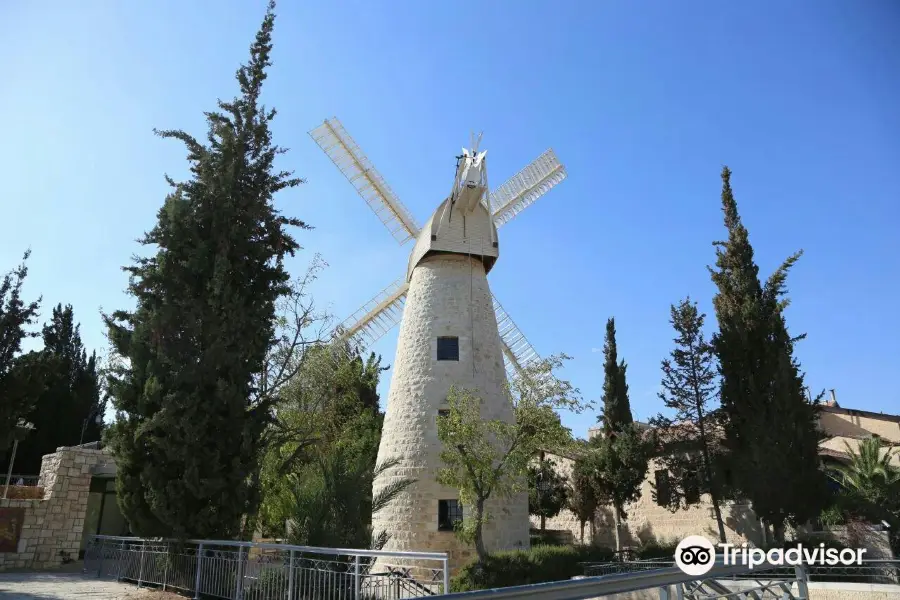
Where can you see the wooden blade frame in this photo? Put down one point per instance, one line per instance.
(376, 317)
(519, 354)
(334, 140)
(524, 188)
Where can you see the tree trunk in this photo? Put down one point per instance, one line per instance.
(618, 533)
(718, 511)
(778, 531)
(543, 523)
(479, 541)
(582, 533)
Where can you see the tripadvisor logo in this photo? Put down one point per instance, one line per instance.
(696, 555)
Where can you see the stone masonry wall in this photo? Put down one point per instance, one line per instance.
(54, 525)
(448, 296)
(648, 522)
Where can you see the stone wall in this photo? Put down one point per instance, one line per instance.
(53, 525)
(648, 522)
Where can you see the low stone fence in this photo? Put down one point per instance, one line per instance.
(46, 532)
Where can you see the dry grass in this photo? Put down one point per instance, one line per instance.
(25, 492)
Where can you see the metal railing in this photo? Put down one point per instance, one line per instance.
(870, 571)
(670, 583)
(260, 571)
(22, 480)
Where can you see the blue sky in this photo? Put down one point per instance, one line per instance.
(643, 102)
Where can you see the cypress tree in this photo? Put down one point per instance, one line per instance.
(616, 412)
(189, 436)
(20, 377)
(770, 427)
(70, 401)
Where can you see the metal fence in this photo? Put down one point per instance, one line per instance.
(26, 480)
(870, 571)
(258, 571)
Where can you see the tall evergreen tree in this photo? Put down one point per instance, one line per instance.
(770, 427)
(690, 443)
(189, 434)
(20, 379)
(616, 411)
(66, 412)
(621, 453)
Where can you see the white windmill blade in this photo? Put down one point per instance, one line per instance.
(517, 352)
(359, 170)
(522, 189)
(376, 317)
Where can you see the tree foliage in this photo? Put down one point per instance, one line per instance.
(870, 482)
(582, 497)
(770, 428)
(21, 381)
(485, 458)
(71, 400)
(616, 412)
(190, 427)
(547, 490)
(689, 441)
(325, 438)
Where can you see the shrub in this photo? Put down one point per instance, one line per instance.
(540, 564)
(656, 550)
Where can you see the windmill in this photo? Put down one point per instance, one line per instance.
(453, 331)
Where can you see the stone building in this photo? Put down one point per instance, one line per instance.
(74, 498)
(648, 522)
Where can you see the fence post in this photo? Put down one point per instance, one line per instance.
(141, 566)
(197, 577)
(166, 567)
(802, 590)
(664, 592)
(291, 577)
(679, 591)
(99, 545)
(238, 577)
(446, 562)
(356, 578)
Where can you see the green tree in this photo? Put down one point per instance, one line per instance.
(489, 458)
(190, 428)
(582, 498)
(616, 405)
(547, 490)
(870, 478)
(21, 381)
(327, 419)
(71, 402)
(690, 439)
(621, 453)
(770, 428)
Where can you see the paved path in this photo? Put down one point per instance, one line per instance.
(69, 586)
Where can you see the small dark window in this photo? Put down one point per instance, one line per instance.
(444, 412)
(692, 487)
(663, 493)
(448, 348)
(449, 512)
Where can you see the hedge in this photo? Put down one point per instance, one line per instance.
(522, 567)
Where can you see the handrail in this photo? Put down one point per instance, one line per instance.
(288, 547)
(605, 585)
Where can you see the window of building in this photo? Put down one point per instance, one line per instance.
(448, 348)
(449, 512)
(444, 412)
(692, 487)
(663, 492)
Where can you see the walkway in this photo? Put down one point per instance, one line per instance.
(70, 586)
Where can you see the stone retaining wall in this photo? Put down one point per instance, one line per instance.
(53, 526)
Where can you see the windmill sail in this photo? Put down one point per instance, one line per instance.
(359, 170)
(376, 317)
(519, 354)
(526, 186)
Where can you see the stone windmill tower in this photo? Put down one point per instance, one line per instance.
(453, 332)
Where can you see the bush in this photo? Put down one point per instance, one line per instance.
(655, 550)
(540, 564)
